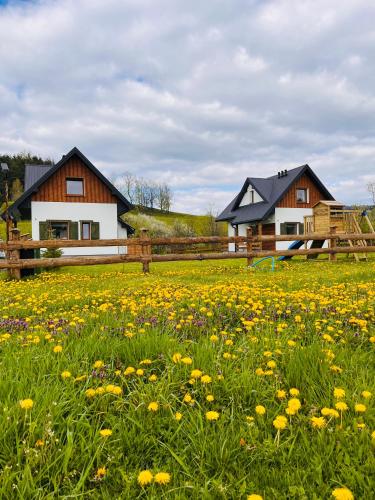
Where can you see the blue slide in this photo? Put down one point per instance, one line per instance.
(293, 246)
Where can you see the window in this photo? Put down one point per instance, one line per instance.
(291, 228)
(252, 196)
(86, 231)
(59, 230)
(74, 187)
(302, 195)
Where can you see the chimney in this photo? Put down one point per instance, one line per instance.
(285, 172)
(278, 175)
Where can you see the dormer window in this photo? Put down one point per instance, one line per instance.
(74, 186)
(302, 195)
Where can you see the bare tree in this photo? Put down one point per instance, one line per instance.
(145, 193)
(371, 190)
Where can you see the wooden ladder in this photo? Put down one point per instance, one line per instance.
(361, 243)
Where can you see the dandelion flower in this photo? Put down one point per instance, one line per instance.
(145, 477)
(101, 472)
(338, 393)
(260, 410)
(212, 415)
(318, 422)
(26, 404)
(366, 394)
(153, 406)
(360, 408)
(129, 370)
(280, 422)
(176, 358)
(329, 412)
(57, 348)
(90, 393)
(294, 392)
(186, 361)
(105, 432)
(254, 496)
(206, 379)
(39, 443)
(98, 364)
(210, 398)
(66, 374)
(152, 378)
(162, 478)
(140, 372)
(178, 416)
(342, 494)
(196, 374)
(281, 394)
(341, 406)
(294, 404)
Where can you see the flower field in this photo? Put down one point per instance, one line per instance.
(199, 381)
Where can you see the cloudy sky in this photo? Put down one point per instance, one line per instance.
(198, 94)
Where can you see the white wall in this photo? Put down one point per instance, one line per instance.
(246, 199)
(104, 213)
(289, 215)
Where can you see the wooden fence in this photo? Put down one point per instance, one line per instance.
(142, 249)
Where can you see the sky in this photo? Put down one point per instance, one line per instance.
(197, 94)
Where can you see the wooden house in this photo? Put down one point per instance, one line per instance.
(72, 200)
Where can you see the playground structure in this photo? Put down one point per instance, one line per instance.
(328, 215)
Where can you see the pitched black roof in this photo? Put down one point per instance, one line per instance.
(22, 204)
(33, 173)
(271, 189)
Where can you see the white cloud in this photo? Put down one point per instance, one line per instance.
(197, 96)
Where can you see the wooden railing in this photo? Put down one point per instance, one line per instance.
(250, 244)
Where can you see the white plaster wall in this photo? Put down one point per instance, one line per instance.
(289, 215)
(104, 213)
(246, 199)
(231, 246)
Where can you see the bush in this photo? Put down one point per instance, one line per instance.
(52, 253)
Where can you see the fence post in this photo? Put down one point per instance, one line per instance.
(249, 245)
(145, 250)
(14, 235)
(332, 244)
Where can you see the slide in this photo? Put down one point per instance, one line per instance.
(316, 244)
(293, 246)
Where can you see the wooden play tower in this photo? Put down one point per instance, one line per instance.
(332, 214)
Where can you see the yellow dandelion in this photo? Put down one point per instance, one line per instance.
(281, 394)
(338, 393)
(162, 478)
(260, 410)
(153, 406)
(342, 494)
(178, 416)
(206, 379)
(360, 408)
(90, 393)
(66, 374)
(254, 496)
(366, 394)
(98, 364)
(280, 422)
(294, 392)
(196, 374)
(341, 406)
(212, 415)
(26, 404)
(101, 472)
(105, 432)
(210, 398)
(57, 348)
(145, 477)
(318, 422)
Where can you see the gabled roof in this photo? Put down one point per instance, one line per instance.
(23, 202)
(271, 189)
(33, 173)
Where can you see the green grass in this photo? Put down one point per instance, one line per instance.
(307, 317)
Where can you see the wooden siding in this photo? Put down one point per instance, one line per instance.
(54, 189)
(289, 200)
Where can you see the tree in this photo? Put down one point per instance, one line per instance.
(16, 189)
(371, 190)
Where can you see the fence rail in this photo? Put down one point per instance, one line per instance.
(143, 249)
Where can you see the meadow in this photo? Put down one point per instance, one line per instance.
(200, 380)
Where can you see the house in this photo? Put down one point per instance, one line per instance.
(275, 205)
(72, 200)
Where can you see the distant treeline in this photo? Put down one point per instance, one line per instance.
(16, 176)
(145, 193)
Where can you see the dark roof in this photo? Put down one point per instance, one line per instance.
(23, 202)
(33, 173)
(271, 189)
(127, 226)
